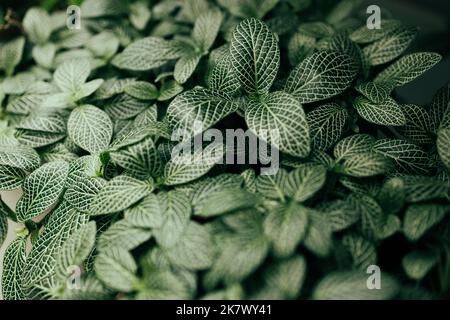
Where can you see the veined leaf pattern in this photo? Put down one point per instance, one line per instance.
(118, 194)
(408, 156)
(116, 268)
(122, 234)
(107, 164)
(391, 46)
(385, 113)
(255, 56)
(408, 68)
(147, 53)
(280, 120)
(350, 285)
(198, 105)
(11, 178)
(42, 189)
(13, 266)
(41, 262)
(21, 157)
(176, 213)
(90, 128)
(326, 124)
(75, 250)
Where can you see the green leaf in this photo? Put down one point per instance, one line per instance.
(320, 76)
(176, 214)
(420, 188)
(59, 100)
(146, 213)
(44, 54)
(417, 264)
(37, 25)
(255, 56)
(140, 15)
(303, 182)
(141, 160)
(365, 35)
(227, 200)
(340, 214)
(376, 92)
(362, 251)
(163, 284)
(72, 74)
(273, 186)
(287, 276)
(280, 120)
(300, 46)
(169, 89)
(352, 285)
(125, 107)
(102, 8)
(42, 189)
(41, 262)
(418, 126)
(147, 53)
(116, 268)
(13, 267)
(387, 113)
(3, 225)
(390, 46)
(207, 188)
(439, 106)
(318, 235)
(131, 136)
(366, 165)
(90, 128)
(185, 167)
(11, 55)
(75, 250)
(286, 226)
(443, 146)
(341, 11)
(409, 157)
(326, 125)
(206, 28)
(194, 250)
(371, 214)
(222, 77)
(37, 139)
(249, 8)
(392, 195)
(111, 87)
(185, 67)
(91, 289)
(147, 117)
(141, 90)
(242, 251)
(88, 88)
(103, 45)
(419, 218)
(119, 194)
(11, 178)
(47, 121)
(122, 234)
(354, 145)
(81, 192)
(408, 68)
(198, 105)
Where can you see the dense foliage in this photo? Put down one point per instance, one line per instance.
(86, 119)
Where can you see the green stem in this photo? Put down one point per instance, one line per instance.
(9, 213)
